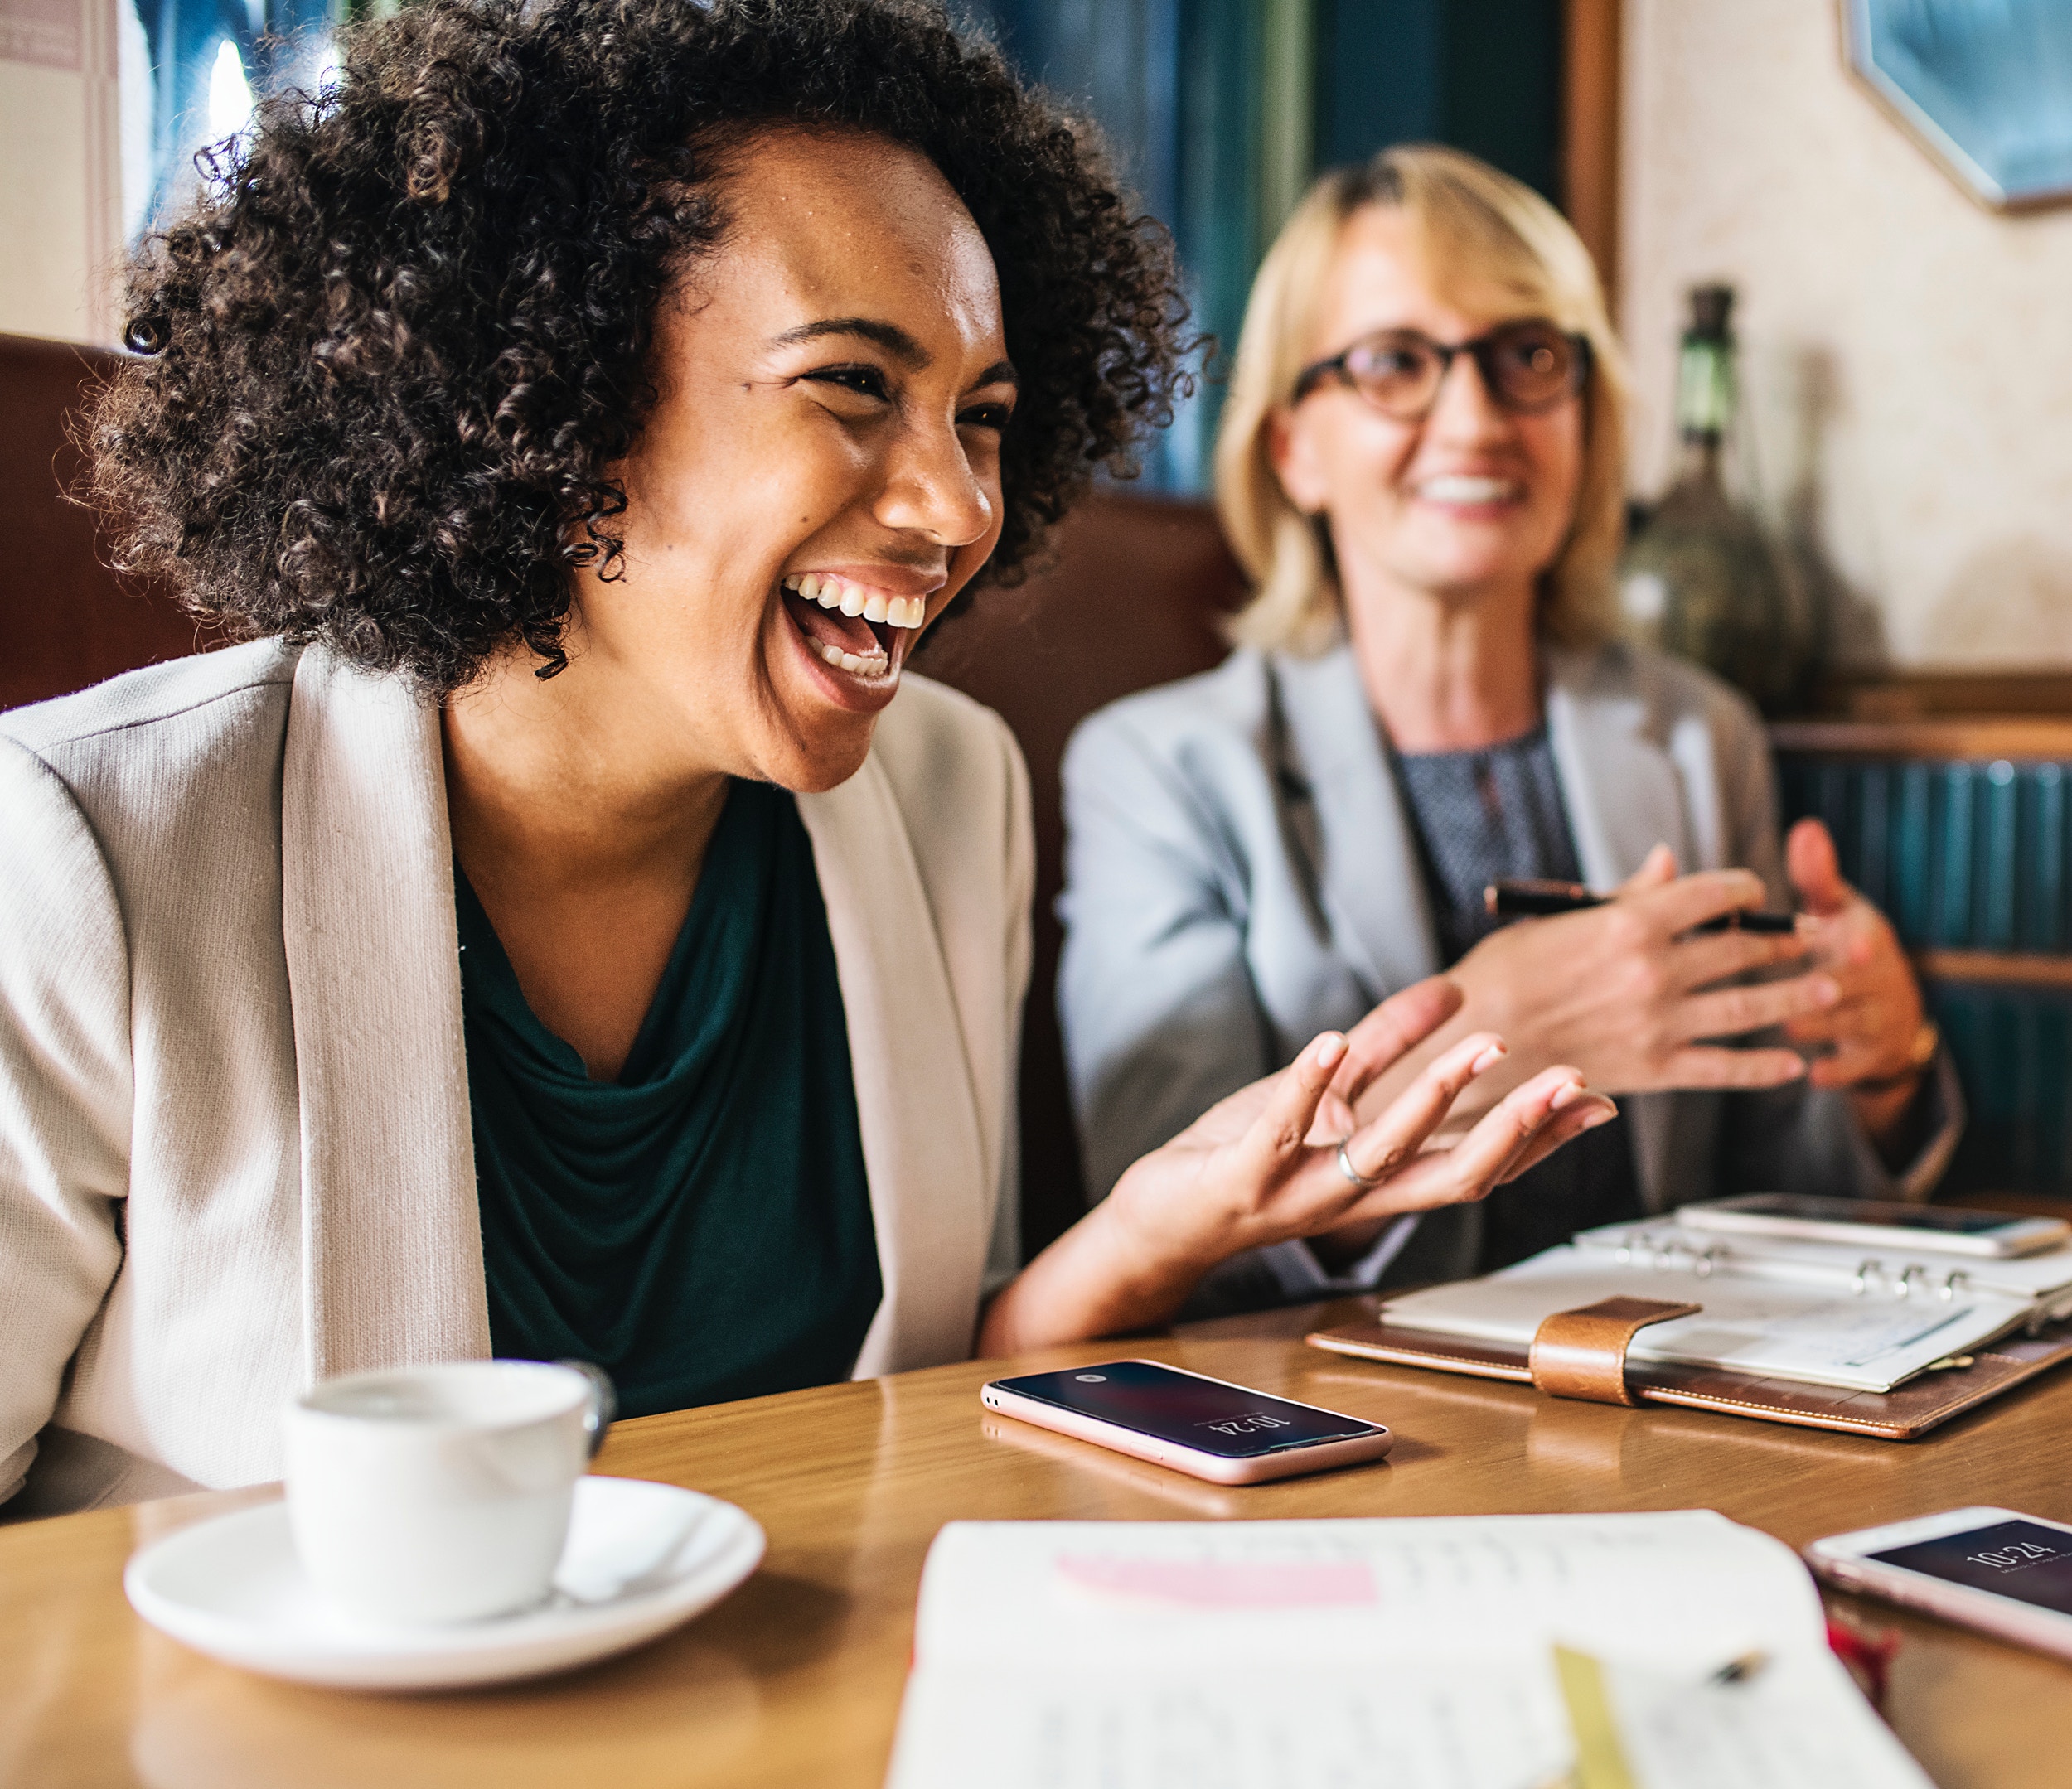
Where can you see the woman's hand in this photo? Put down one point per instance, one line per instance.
(1866, 1040)
(1629, 991)
(1262, 1167)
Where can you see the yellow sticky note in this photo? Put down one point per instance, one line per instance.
(1600, 1760)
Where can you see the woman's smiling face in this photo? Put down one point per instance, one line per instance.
(822, 474)
(1468, 499)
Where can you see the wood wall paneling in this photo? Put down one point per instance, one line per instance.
(1590, 130)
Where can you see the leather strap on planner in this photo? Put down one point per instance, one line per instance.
(1582, 1353)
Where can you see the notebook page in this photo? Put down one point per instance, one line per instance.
(1822, 1334)
(1436, 1725)
(1807, 1727)
(1110, 1595)
(1417, 1727)
(1415, 1654)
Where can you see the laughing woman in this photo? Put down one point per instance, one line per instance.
(560, 929)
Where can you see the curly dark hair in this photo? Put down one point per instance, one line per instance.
(403, 335)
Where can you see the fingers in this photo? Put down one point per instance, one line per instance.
(1813, 868)
(1506, 1133)
(1563, 1125)
(1398, 1024)
(1691, 900)
(1657, 870)
(1276, 1138)
(1401, 1131)
(1731, 1012)
(1706, 1066)
(1710, 957)
(1335, 1118)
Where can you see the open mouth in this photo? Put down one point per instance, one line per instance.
(863, 632)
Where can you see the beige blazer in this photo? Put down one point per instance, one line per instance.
(235, 1154)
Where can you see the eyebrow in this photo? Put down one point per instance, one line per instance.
(889, 336)
(893, 340)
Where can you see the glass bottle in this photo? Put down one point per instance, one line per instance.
(1701, 579)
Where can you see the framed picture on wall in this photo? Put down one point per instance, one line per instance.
(1985, 91)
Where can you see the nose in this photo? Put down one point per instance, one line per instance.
(930, 489)
(1462, 409)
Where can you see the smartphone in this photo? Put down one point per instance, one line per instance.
(1997, 1570)
(1226, 1434)
(1940, 1228)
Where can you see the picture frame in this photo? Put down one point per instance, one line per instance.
(1985, 91)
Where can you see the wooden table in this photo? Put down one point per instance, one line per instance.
(796, 1679)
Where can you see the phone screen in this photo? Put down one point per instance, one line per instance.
(1886, 1215)
(2022, 1560)
(1225, 1420)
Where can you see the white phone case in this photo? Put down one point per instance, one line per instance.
(1289, 1463)
(1843, 1561)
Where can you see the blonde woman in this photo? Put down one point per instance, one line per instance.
(1421, 468)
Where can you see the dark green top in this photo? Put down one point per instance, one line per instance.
(700, 1227)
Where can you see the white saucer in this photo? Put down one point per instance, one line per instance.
(641, 1559)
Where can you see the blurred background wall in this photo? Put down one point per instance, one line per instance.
(1907, 368)
(1907, 355)
(60, 165)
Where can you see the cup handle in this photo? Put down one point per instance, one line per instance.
(603, 1405)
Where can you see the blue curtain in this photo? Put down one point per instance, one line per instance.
(274, 40)
(1175, 85)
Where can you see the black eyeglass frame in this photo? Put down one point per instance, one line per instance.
(1477, 349)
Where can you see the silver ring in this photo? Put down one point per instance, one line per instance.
(1351, 1173)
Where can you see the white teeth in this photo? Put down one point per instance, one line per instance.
(789, 583)
(1460, 488)
(833, 593)
(857, 664)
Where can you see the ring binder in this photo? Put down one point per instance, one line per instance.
(1815, 1334)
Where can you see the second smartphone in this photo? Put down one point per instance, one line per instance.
(1228, 1434)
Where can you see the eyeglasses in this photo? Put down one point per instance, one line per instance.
(1525, 367)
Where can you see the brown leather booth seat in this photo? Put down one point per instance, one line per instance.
(1130, 596)
(64, 620)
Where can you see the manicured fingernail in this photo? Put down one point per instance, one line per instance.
(1565, 1096)
(1330, 1050)
(1595, 1119)
(1489, 1059)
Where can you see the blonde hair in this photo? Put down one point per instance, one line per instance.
(1480, 226)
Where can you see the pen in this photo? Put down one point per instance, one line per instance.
(1514, 897)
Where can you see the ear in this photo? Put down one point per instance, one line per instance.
(1292, 447)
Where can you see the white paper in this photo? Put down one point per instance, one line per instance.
(1402, 1654)
(1412, 1728)
(1804, 1728)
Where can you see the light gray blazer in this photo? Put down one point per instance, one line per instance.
(1240, 875)
(235, 1154)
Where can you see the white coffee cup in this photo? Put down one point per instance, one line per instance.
(421, 1495)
